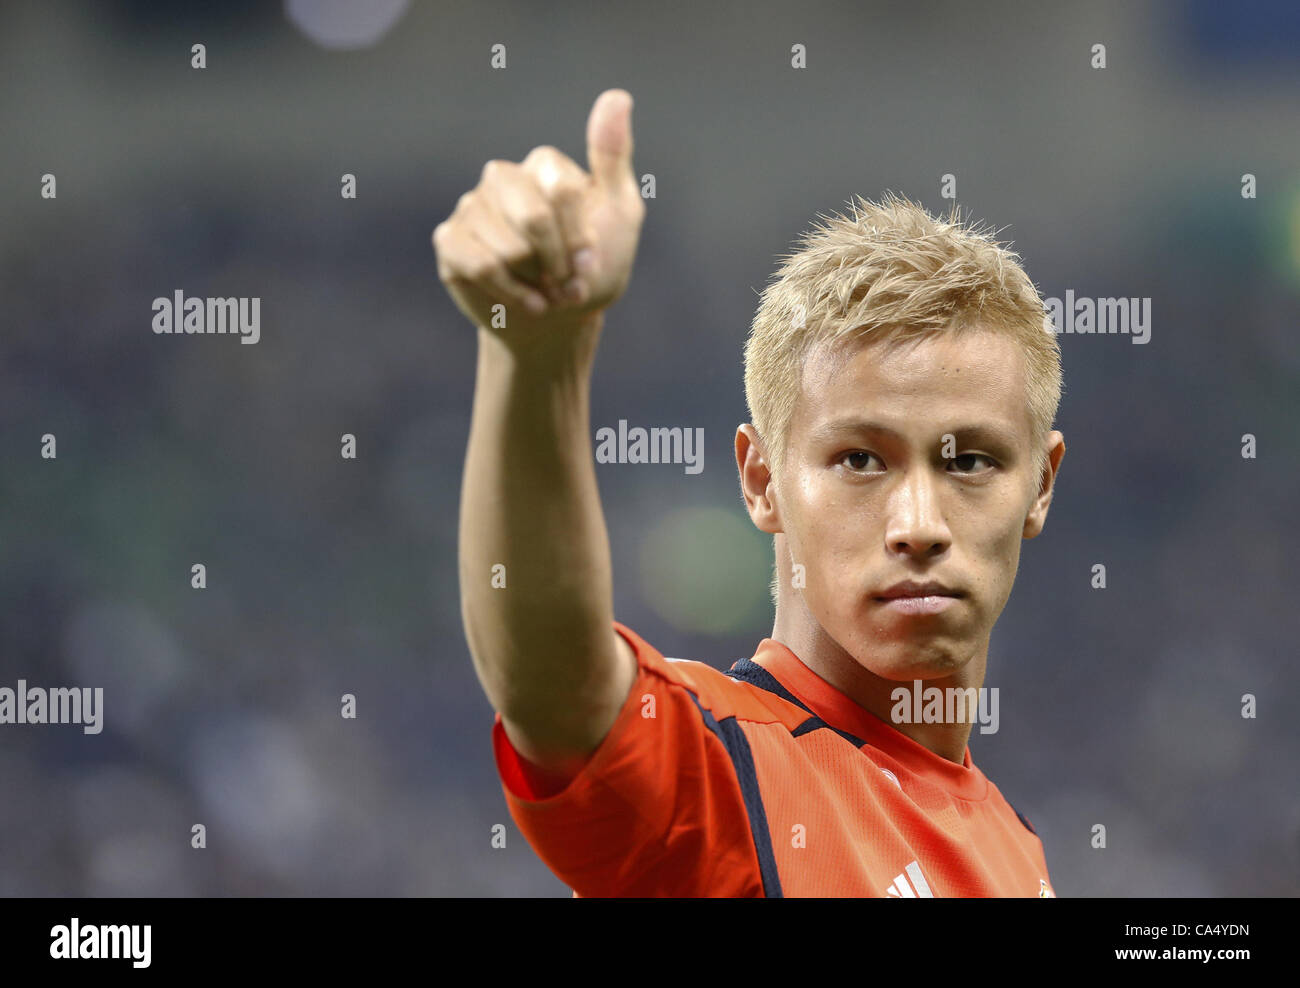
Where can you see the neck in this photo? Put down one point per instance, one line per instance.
(802, 634)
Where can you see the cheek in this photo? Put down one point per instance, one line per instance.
(998, 556)
(811, 542)
(834, 533)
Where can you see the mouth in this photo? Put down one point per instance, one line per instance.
(930, 604)
(918, 598)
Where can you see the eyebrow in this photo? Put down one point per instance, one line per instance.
(970, 432)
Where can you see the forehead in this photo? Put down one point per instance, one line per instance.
(942, 379)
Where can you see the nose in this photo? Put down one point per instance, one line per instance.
(915, 525)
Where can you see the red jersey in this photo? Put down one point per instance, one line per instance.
(766, 780)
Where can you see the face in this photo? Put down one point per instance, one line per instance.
(867, 497)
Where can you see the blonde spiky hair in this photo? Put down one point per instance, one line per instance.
(892, 272)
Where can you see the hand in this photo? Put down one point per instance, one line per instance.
(518, 238)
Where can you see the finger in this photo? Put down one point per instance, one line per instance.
(503, 240)
(567, 187)
(516, 196)
(609, 140)
(465, 260)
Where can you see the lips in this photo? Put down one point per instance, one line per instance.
(912, 588)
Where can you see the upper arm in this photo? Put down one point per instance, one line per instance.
(656, 809)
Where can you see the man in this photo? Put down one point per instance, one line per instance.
(902, 385)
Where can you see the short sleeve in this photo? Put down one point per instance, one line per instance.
(656, 811)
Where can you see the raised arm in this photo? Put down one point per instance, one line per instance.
(536, 588)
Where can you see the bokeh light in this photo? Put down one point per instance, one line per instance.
(706, 570)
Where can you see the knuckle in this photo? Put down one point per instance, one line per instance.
(552, 169)
(465, 201)
(475, 272)
(543, 152)
(493, 169)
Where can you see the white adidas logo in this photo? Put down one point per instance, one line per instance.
(917, 888)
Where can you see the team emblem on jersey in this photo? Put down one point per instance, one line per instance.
(1045, 890)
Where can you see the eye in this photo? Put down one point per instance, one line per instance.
(858, 459)
(967, 457)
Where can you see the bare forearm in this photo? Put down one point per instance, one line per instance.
(536, 589)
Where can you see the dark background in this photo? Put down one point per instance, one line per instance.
(327, 576)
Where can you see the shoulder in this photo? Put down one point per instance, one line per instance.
(712, 689)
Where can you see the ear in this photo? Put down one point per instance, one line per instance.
(1037, 516)
(757, 485)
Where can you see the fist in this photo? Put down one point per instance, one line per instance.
(550, 242)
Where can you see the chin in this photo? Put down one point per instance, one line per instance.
(906, 661)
